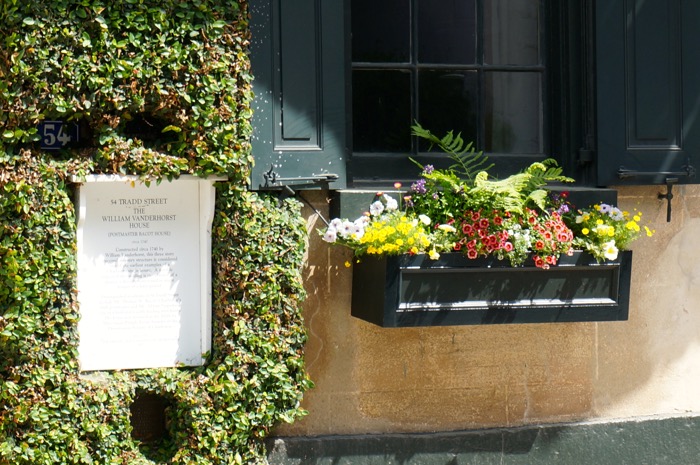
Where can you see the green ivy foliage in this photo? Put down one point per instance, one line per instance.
(159, 88)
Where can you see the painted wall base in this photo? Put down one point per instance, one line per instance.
(648, 441)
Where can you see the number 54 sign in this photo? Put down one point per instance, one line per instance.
(57, 134)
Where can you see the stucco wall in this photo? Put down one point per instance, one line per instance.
(376, 380)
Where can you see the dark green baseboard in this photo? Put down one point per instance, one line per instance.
(666, 441)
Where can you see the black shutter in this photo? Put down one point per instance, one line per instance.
(298, 57)
(648, 91)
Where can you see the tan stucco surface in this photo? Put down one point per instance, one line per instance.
(378, 380)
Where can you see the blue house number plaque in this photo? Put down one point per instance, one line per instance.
(57, 134)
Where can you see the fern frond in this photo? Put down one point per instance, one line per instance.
(539, 197)
(467, 161)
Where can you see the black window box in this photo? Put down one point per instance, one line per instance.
(404, 291)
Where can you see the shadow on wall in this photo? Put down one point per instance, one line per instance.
(671, 440)
(649, 365)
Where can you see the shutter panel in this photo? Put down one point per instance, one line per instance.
(298, 58)
(648, 91)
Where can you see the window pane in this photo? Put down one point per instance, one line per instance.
(447, 31)
(381, 111)
(513, 116)
(511, 32)
(448, 102)
(381, 31)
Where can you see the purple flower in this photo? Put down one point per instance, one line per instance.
(427, 169)
(419, 186)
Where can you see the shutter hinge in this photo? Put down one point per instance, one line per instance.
(671, 178)
(274, 181)
(688, 171)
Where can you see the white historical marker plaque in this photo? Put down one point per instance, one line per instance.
(144, 272)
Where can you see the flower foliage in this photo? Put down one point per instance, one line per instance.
(603, 230)
(515, 237)
(383, 230)
(515, 218)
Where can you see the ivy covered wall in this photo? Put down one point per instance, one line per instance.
(157, 88)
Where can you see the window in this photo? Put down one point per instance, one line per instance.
(472, 66)
(609, 89)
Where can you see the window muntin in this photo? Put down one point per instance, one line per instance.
(471, 66)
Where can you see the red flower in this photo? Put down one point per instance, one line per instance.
(508, 246)
(539, 245)
(476, 216)
(484, 223)
(472, 254)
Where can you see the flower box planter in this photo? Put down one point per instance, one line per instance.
(405, 291)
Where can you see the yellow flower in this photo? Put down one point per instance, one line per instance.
(599, 222)
(585, 231)
(649, 232)
(433, 254)
(637, 217)
(347, 264)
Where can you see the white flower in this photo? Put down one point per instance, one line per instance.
(359, 228)
(447, 228)
(579, 219)
(331, 235)
(376, 208)
(363, 220)
(610, 250)
(347, 229)
(336, 223)
(391, 203)
(424, 219)
(433, 254)
(616, 214)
